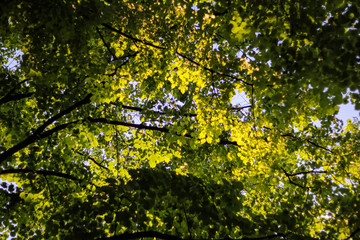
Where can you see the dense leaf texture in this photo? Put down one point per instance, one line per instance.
(117, 119)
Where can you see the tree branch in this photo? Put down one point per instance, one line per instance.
(105, 43)
(308, 141)
(304, 173)
(31, 139)
(84, 101)
(187, 221)
(9, 98)
(240, 108)
(291, 181)
(91, 159)
(212, 70)
(125, 124)
(131, 37)
(113, 54)
(177, 53)
(50, 192)
(138, 109)
(142, 126)
(39, 134)
(259, 238)
(317, 145)
(40, 172)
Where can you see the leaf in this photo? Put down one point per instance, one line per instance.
(22, 195)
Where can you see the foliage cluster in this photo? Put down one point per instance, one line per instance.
(117, 120)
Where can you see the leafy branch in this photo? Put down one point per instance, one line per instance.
(40, 172)
(131, 37)
(91, 159)
(291, 181)
(105, 43)
(139, 109)
(31, 139)
(10, 96)
(240, 108)
(62, 113)
(213, 71)
(39, 132)
(14, 97)
(308, 141)
(49, 188)
(306, 172)
(143, 126)
(177, 53)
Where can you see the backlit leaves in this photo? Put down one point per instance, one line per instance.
(118, 119)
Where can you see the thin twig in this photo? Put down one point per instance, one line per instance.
(131, 37)
(91, 159)
(212, 70)
(105, 43)
(48, 185)
(292, 182)
(306, 172)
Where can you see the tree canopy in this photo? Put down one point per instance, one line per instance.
(121, 119)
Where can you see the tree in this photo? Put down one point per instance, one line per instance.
(117, 119)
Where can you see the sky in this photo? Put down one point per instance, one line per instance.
(347, 111)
